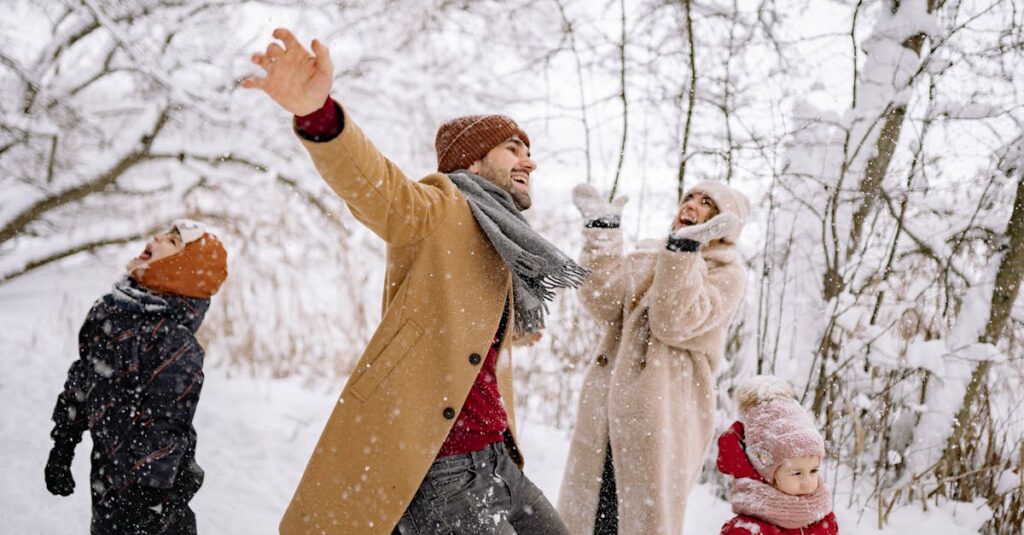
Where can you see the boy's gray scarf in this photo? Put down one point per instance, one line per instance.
(537, 266)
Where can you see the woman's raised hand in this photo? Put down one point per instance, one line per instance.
(592, 205)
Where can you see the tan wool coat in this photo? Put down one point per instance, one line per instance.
(444, 292)
(649, 389)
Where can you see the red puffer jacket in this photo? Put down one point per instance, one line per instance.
(733, 461)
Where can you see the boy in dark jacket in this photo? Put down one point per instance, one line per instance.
(135, 387)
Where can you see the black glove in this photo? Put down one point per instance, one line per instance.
(58, 469)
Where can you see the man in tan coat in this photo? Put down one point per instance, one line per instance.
(646, 410)
(422, 439)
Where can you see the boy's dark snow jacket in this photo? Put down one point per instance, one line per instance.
(135, 387)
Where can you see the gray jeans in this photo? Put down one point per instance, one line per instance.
(482, 492)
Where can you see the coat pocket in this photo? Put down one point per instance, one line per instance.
(385, 361)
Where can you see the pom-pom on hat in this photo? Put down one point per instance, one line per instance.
(196, 271)
(464, 140)
(776, 427)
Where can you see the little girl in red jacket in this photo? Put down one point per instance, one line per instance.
(774, 452)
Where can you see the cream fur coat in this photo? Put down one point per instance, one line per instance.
(649, 388)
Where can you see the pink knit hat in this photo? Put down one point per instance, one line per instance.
(775, 425)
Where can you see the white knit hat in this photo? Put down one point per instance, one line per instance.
(776, 427)
(729, 201)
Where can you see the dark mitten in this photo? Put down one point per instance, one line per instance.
(58, 469)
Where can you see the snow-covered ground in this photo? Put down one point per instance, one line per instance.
(254, 434)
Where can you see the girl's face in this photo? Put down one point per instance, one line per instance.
(799, 476)
(159, 246)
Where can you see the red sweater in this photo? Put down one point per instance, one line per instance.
(482, 419)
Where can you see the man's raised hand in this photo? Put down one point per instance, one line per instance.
(297, 80)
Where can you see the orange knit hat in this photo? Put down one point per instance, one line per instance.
(196, 271)
(464, 140)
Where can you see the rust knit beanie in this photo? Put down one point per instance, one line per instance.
(196, 271)
(464, 140)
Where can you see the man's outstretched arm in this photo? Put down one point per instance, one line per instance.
(379, 194)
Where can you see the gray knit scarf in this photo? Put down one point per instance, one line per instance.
(537, 266)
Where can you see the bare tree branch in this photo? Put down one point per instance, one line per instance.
(51, 202)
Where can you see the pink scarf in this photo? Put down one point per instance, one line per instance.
(763, 501)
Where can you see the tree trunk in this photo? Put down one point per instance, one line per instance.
(691, 101)
(876, 169)
(625, 104)
(1004, 294)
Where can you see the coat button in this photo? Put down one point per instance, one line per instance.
(602, 360)
(643, 363)
(449, 413)
(474, 359)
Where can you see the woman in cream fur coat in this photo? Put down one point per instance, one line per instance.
(646, 411)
